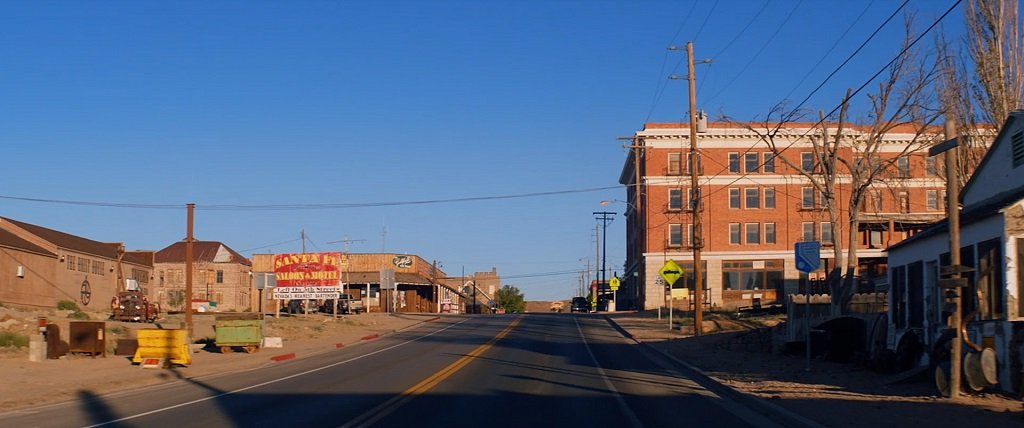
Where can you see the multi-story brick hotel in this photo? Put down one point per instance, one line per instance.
(755, 207)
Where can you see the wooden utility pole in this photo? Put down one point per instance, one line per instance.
(953, 213)
(189, 241)
(695, 196)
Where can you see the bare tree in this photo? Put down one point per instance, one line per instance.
(862, 153)
(995, 54)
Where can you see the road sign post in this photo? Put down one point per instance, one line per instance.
(808, 259)
(670, 272)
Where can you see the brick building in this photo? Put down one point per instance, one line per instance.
(754, 208)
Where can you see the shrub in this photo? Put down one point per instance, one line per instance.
(79, 315)
(67, 305)
(9, 339)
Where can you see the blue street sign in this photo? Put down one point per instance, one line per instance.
(808, 256)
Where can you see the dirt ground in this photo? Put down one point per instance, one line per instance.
(27, 384)
(832, 394)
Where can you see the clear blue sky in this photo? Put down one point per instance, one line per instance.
(367, 102)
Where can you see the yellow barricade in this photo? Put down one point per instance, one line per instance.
(160, 343)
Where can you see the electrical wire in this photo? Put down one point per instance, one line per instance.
(312, 206)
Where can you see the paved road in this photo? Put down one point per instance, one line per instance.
(496, 371)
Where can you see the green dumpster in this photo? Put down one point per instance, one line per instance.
(244, 330)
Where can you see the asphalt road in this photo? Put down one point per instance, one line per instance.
(496, 371)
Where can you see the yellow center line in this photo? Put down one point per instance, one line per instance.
(429, 383)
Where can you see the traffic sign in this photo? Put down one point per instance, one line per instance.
(614, 283)
(671, 272)
(808, 256)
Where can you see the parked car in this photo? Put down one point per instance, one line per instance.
(579, 304)
(346, 304)
(298, 306)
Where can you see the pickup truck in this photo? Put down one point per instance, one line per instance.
(346, 304)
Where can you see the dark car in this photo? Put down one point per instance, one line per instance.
(298, 306)
(579, 304)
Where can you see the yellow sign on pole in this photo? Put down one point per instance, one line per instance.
(614, 283)
(671, 272)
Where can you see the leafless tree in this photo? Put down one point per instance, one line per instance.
(982, 100)
(861, 151)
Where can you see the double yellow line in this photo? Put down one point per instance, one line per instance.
(386, 408)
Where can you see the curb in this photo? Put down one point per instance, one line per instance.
(759, 405)
(370, 337)
(283, 357)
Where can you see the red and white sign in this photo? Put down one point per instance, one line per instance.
(307, 270)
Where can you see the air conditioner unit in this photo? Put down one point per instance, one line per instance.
(21, 271)
(131, 285)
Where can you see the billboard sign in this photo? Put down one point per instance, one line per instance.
(307, 270)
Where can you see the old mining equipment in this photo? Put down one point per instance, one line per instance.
(133, 306)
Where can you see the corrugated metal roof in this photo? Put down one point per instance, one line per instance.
(202, 251)
(10, 240)
(69, 241)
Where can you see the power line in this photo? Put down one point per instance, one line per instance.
(845, 99)
(311, 206)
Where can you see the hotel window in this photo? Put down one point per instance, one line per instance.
(97, 267)
(903, 166)
(753, 232)
(675, 199)
(769, 197)
(929, 166)
(675, 235)
(808, 229)
(753, 198)
(904, 202)
(769, 233)
(689, 164)
(826, 232)
(71, 262)
(674, 164)
(933, 200)
(734, 198)
(734, 233)
(807, 161)
(769, 163)
(807, 198)
(750, 162)
(220, 277)
(734, 162)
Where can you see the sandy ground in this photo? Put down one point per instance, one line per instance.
(832, 394)
(837, 395)
(26, 384)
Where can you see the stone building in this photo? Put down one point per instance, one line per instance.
(221, 277)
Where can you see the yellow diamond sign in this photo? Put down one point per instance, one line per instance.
(614, 283)
(671, 272)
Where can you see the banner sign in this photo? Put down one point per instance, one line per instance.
(307, 270)
(317, 293)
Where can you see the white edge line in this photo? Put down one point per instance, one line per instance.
(630, 416)
(222, 394)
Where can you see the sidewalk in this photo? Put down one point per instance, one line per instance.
(831, 394)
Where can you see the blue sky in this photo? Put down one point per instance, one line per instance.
(386, 102)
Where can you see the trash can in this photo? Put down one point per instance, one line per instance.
(240, 329)
(87, 337)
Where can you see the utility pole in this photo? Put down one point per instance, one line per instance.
(953, 213)
(604, 217)
(695, 196)
(189, 240)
